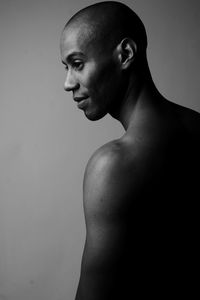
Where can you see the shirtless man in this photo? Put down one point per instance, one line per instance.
(140, 191)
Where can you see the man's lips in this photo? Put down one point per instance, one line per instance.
(81, 101)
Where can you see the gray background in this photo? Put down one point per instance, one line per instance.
(45, 141)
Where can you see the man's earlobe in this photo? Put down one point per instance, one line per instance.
(127, 50)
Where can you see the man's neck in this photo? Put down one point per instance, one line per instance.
(140, 98)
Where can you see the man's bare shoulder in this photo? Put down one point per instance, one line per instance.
(106, 160)
(100, 180)
(111, 159)
(115, 173)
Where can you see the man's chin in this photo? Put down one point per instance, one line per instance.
(94, 116)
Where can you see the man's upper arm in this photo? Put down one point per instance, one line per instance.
(103, 196)
(108, 193)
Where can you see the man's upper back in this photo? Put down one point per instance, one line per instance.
(140, 199)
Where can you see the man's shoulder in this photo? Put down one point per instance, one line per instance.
(115, 171)
(120, 157)
(107, 155)
(113, 157)
(107, 181)
(105, 160)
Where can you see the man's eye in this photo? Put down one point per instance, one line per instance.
(77, 65)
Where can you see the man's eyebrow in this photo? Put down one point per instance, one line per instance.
(71, 55)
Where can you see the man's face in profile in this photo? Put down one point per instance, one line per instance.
(92, 73)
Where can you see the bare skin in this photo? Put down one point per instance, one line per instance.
(141, 191)
(140, 199)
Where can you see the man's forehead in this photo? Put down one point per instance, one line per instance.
(79, 34)
(86, 36)
(78, 39)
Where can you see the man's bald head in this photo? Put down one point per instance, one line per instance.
(108, 23)
(103, 47)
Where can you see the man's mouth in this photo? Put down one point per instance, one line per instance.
(81, 101)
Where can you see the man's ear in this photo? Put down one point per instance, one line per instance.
(126, 52)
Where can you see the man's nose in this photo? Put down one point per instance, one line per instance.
(70, 82)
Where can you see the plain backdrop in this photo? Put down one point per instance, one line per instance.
(45, 141)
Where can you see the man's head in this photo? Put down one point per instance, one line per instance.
(101, 46)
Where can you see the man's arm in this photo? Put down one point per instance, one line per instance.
(108, 190)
